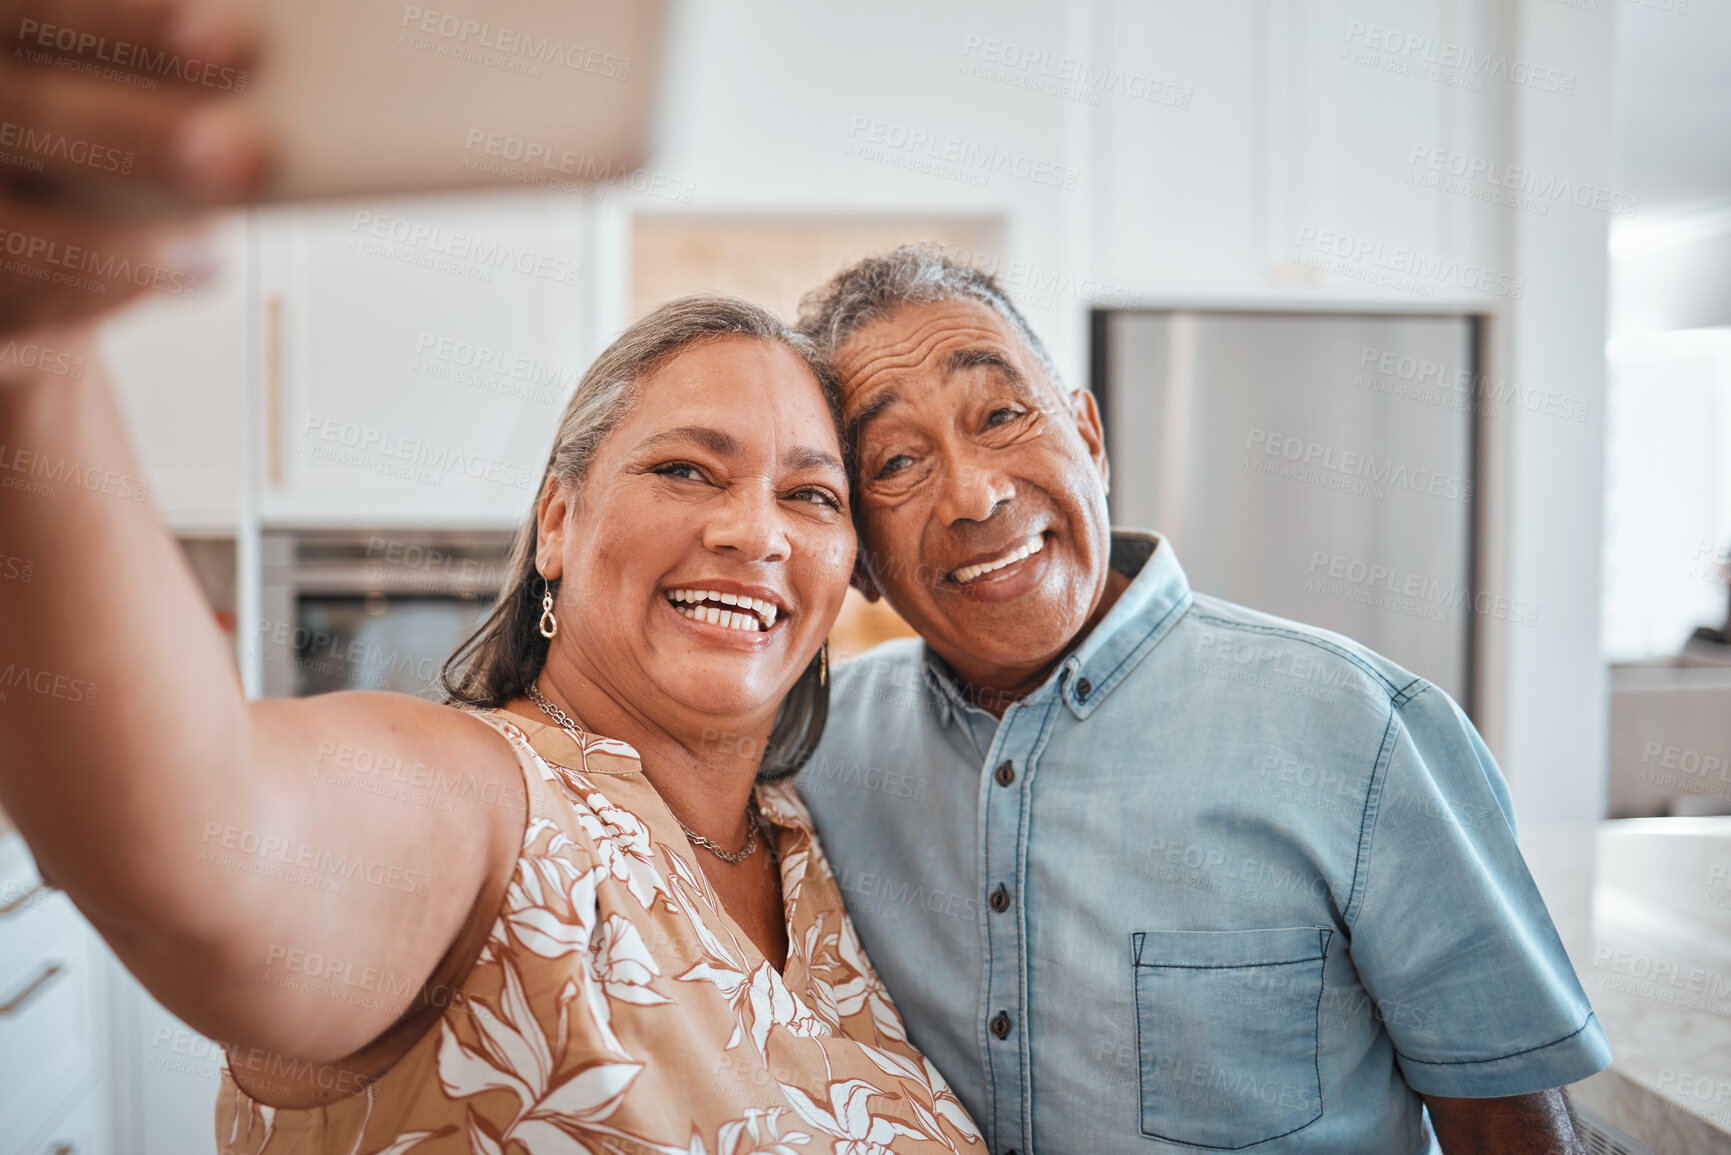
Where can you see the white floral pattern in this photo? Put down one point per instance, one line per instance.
(616, 1008)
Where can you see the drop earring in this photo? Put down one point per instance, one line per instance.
(823, 670)
(549, 625)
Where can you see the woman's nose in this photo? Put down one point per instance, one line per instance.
(749, 525)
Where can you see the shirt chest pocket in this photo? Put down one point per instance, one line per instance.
(1227, 1029)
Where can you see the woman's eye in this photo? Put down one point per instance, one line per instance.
(680, 469)
(818, 497)
(894, 465)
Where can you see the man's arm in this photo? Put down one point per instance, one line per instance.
(1536, 1124)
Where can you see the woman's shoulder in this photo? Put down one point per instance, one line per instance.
(578, 750)
(582, 789)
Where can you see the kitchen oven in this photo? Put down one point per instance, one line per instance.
(347, 610)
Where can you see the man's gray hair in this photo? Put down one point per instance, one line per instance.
(910, 275)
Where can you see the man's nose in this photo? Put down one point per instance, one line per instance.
(749, 525)
(972, 493)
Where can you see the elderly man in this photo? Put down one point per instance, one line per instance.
(1147, 871)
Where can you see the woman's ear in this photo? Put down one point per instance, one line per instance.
(550, 514)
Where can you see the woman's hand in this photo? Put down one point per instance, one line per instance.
(103, 104)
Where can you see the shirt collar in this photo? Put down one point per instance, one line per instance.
(1158, 595)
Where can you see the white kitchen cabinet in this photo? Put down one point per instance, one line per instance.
(1276, 137)
(414, 355)
(83, 1130)
(90, 1064)
(178, 366)
(165, 1076)
(53, 1014)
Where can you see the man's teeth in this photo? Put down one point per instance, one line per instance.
(1027, 549)
(756, 616)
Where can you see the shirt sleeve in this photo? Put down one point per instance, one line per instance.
(1450, 936)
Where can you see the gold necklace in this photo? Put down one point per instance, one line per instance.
(575, 728)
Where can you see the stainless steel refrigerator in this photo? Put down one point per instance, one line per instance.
(1318, 466)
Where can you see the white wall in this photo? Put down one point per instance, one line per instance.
(1671, 274)
(1549, 500)
(768, 101)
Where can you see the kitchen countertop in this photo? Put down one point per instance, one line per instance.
(1644, 908)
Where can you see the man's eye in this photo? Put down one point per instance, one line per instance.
(1000, 416)
(895, 465)
(680, 469)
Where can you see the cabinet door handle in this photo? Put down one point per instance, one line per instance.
(23, 898)
(51, 971)
(273, 390)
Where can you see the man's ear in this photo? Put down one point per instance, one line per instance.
(550, 513)
(863, 579)
(1087, 413)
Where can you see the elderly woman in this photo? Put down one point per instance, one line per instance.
(622, 935)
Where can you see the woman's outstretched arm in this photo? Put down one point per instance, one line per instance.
(213, 842)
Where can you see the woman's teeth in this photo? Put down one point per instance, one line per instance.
(756, 617)
(1027, 549)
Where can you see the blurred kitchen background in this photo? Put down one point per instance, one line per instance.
(1409, 318)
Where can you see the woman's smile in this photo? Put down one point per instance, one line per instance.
(743, 615)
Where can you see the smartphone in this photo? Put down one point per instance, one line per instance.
(366, 97)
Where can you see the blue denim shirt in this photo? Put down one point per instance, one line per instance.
(1222, 882)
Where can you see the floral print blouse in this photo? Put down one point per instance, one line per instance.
(617, 1008)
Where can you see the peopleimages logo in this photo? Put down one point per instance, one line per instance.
(28, 467)
(1043, 285)
(1546, 187)
(1365, 259)
(1474, 390)
(1386, 587)
(561, 169)
(59, 146)
(481, 366)
(1446, 61)
(48, 259)
(47, 684)
(873, 139)
(1067, 77)
(481, 252)
(123, 54)
(513, 42)
(415, 458)
(30, 355)
(1351, 465)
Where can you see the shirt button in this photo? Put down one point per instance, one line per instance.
(1005, 773)
(1083, 689)
(1000, 900)
(1001, 1025)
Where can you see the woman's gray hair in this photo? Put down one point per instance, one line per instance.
(910, 275)
(505, 654)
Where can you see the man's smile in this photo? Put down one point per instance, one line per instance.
(977, 570)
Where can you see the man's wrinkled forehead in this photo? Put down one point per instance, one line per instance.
(921, 346)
